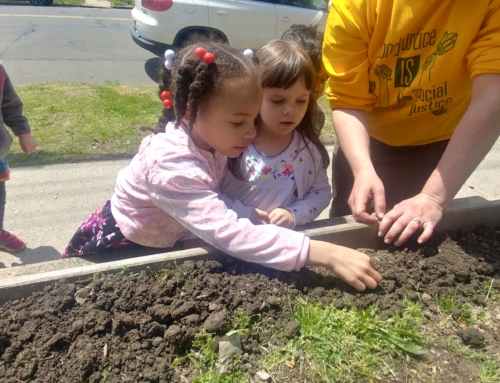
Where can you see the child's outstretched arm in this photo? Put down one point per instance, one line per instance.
(191, 202)
(350, 265)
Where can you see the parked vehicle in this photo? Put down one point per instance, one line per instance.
(160, 24)
(41, 2)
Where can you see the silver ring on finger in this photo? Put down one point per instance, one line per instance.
(419, 223)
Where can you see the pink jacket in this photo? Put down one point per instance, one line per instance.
(168, 192)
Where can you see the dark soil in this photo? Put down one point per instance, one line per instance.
(130, 328)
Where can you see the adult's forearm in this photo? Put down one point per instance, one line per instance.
(350, 129)
(473, 138)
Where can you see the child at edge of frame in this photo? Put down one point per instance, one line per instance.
(11, 115)
(168, 191)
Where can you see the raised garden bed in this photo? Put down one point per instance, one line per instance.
(168, 324)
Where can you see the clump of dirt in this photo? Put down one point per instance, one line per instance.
(130, 328)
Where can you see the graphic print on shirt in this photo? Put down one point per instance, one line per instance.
(446, 44)
(383, 73)
(427, 96)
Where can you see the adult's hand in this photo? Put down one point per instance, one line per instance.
(416, 213)
(367, 187)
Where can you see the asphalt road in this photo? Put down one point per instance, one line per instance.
(73, 44)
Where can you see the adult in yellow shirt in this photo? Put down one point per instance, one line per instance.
(415, 92)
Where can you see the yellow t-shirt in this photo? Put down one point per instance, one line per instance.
(409, 64)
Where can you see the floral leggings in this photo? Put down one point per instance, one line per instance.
(98, 233)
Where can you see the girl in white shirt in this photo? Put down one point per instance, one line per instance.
(284, 169)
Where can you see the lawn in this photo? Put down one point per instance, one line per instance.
(77, 122)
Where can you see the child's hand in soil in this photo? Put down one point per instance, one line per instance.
(282, 217)
(27, 143)
(350, 265)
(259, 217)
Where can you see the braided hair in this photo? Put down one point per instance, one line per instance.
(191, 80)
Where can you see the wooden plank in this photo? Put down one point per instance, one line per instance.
(465, 214)
(23, 286)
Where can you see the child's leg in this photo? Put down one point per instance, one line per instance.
(3, 195)
(8, 241)
(98, 233)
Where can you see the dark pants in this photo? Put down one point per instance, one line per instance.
(404, 170)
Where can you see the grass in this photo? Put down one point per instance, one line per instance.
(327, 134)
(347, 345)
(78, 122)
(74, 122)
(203, 359)
(123, 2)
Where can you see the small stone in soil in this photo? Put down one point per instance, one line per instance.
(262, 376)
(425, 297)
(216, 321)
(472, 337)
(291, 329)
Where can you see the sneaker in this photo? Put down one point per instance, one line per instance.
(11, 242)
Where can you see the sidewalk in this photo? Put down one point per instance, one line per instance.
(45, 205)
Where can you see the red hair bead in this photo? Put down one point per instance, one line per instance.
(167, 104)
(209, 58)
(200, 52)
(165, 95)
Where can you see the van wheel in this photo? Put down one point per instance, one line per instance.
(184, 38)
(41, 2)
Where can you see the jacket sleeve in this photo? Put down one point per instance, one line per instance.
(227, 184)
(192, 202)
(483, 56)
(12, 107)
(318, 196)
(345, 54)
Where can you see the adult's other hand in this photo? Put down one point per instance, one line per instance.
(367, 187)
(419, 212)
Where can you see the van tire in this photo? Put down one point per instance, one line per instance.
(183, 37)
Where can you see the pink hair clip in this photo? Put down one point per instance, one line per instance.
(206, 56)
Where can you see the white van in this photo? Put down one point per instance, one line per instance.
(160, 24)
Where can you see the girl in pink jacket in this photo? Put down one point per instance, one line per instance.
(168, 192)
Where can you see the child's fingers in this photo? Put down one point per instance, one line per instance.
(368, 281)
(274, 219)
(357, 284)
